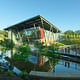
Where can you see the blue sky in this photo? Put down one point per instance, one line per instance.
(64, 14)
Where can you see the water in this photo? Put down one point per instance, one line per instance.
(33, 59)
(66, 67)
(48, 66)
(16, 70)
(42, 63)
(6, 65)
(37, 59)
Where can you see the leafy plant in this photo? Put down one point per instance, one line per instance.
(77, 32)
(39, 46)
(23, 74)
(5, 43)
(69, 32)
(70, 42)
(23, 52)
(10, 73)
(58, 44)
(1, 70)
(24, 48)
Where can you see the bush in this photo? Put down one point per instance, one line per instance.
(39, 45)
(24, 49)
(1, 70)
(53, 54)
(10, 73)
(58, 44)
(23, 52)
(23, 74)
(70, 42)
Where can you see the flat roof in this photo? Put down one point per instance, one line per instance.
(37, 20)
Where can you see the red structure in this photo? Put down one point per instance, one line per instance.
(41, 33)
(41, 60)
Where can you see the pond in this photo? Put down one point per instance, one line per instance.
(60, 67)
(66, 67)
(47, 64)
(6, 65)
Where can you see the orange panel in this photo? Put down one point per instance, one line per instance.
(41, 33)
(41, 60)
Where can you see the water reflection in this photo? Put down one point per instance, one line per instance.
(46, 64)
(66, 67)
(6, 65)
(49, 63)
(36, 63)
(40, 60)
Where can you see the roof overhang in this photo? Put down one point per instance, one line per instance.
(37, 20)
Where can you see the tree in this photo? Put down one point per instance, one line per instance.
(77, 32)
(23, 52)
(3, 35)
(5, 43)
(69, 32)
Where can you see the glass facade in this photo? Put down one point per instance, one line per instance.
(33, 32)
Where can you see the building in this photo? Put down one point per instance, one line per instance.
(36, 28)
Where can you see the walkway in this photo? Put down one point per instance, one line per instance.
(35, 75)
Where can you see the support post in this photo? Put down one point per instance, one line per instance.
(43, 30)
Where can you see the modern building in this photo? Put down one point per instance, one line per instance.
(36, 28)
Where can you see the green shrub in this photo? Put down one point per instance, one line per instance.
(39, 45)
(58, 44)
(53, 54)
(23, 74)
(23, 52)
(70, 42)
(1, 70)
(10, 73)
(24, 49)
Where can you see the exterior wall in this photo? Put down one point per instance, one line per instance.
(50, 37)
(46, 37)
(30, 32)
(12, 36)
(41, 34)
(56, 36)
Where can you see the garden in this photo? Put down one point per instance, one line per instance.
(43, 58)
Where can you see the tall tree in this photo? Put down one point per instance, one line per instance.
(5, 43)
(69, 32)
(77, 32)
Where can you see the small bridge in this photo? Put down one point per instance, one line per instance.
(67, 53)
(70, 52)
